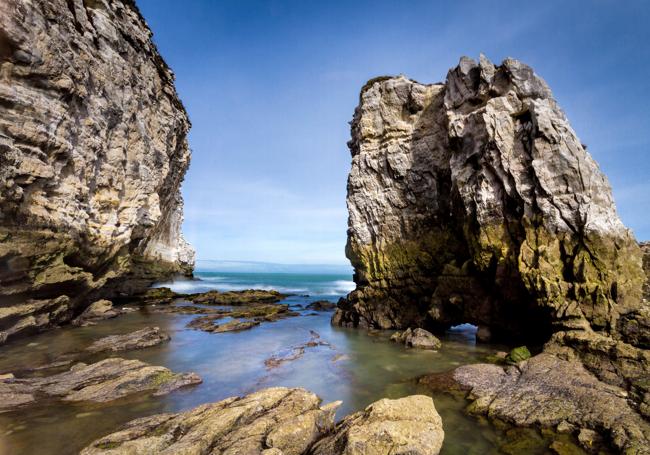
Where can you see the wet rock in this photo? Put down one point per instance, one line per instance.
(244, 317)
(143, 338)
(232, 298)
(408, 425)
(295, 352)
(157, 296)
(97, 311)
(417, 338)
(321, 305)
(548, 391)
(209, 324)
(287, 420)
(107, 380)
(90, 208)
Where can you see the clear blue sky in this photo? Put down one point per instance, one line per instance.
(270, 87)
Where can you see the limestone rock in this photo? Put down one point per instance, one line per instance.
(475, 201)
(408, 425)
(548, 391)
(417, 338)
(143, 338)
(287, 420)
(97, 311)
(93, 151)
(103, 381)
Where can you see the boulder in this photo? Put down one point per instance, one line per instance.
(417, 338)
(408, 425)
(97, 311)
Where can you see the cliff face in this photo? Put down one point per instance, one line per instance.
(474, 201)
(93, 151)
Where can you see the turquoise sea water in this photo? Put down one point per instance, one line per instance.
(356, 367)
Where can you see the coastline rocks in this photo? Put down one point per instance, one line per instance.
(548, 391)
(408, 425)
(474, 201)
(96, 311)
(233, 298)
(143, 338)
(242, 318)
(417, 338)
(282, 421)
(103, 381)
(321, 305)
(275, 420)
(93, 151)
(208, 324)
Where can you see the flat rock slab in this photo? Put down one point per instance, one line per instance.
(282, 421)
(103, 381)
(243, 317)
(548, 391)
(233, 298)
(321, 305)
(144, 338)
(408, 425)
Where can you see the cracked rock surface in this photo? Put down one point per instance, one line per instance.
(93, 151)
(106, 380)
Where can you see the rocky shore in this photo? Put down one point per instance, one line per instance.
(473, 201)
(281, 421)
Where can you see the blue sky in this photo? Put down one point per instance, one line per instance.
(270, 87)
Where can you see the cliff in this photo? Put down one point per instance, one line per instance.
(93, 151)
(474, 201)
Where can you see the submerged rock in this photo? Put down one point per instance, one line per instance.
(417, 338)
(321, 305)
(103, 381)
(93, 151)
(282, 421)
(408, 425)
(143, 338)
(243, 317)
(474, 201)
(209, 324)
(548, 391)
(97, 311)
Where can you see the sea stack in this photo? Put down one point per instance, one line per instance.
(93, 150)
(474, 201)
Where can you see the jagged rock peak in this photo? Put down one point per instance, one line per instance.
(474, 201)
(93, 150)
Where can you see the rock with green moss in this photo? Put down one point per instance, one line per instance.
(474, 201)
(103, 381)
(518, 355)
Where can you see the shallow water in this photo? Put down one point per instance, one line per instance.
(357, 368)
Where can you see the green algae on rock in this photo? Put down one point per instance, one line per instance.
(474, 201)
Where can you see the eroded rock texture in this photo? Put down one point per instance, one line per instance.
(93, 151)
(282, 421)
(474, 201)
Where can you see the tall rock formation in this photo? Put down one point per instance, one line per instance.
(474, 201)
(93, 151)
